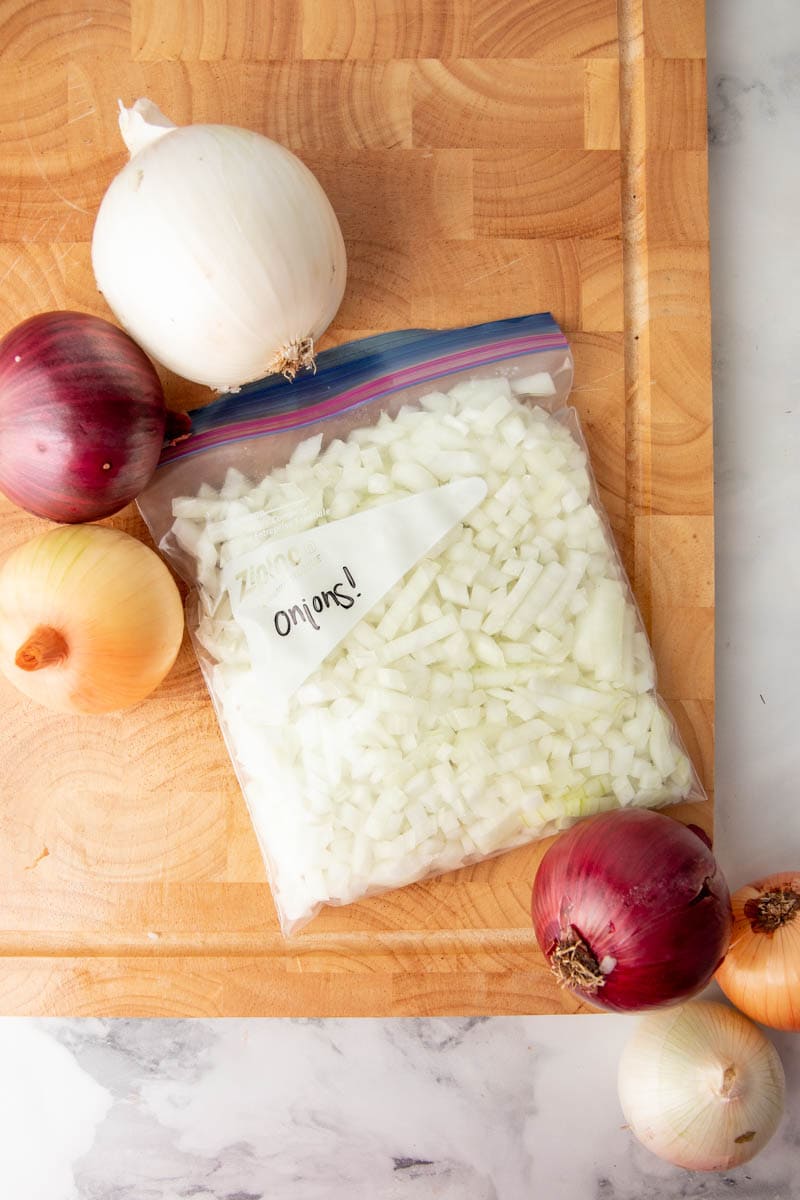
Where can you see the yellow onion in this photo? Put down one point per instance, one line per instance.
(761, 973)
(90, 619)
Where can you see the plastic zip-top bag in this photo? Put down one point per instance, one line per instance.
(409, 610)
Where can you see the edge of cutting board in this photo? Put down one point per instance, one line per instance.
(329, 970)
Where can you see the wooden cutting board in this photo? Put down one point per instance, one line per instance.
(486, 158)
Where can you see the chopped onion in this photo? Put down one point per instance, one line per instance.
(499, 691)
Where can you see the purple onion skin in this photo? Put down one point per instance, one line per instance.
(82, 417)
(643, 890)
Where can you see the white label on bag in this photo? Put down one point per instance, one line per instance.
(296, 597)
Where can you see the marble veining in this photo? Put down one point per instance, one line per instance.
(507, 1108)
(452, 1108)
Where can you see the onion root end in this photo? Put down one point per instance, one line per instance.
(294, 357)
(772, 910)
(45, 647)
(574, 965)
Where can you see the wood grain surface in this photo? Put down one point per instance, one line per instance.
(486, 158)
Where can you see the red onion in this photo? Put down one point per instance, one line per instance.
(81, 417)
(631, 910)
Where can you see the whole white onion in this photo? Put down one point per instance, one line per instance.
(218, 250)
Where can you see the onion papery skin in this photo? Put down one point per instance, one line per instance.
(644, 894)
(218, 250)
(82, 417)
(701, 1086)
(761, 972)
(91, 621)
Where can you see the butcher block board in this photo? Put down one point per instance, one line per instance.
(486, 158)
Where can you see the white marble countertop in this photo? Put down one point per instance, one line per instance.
(504, 1108)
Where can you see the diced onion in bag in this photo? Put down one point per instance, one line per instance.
(500, 690)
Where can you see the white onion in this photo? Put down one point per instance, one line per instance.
(217, 250)
(701, 1086)
(500, 690)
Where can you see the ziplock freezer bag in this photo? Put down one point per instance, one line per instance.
(409, 610)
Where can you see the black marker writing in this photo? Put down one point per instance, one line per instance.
(287, 619)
